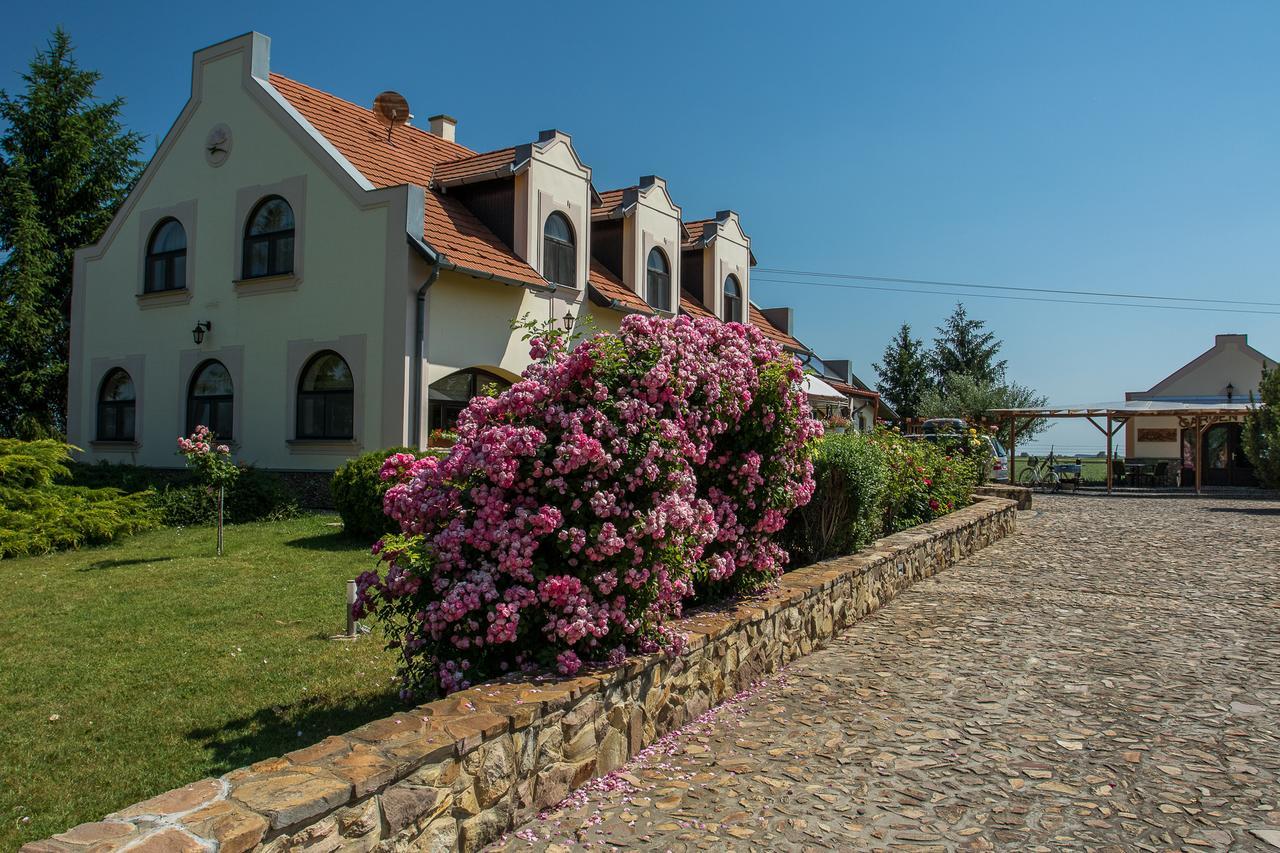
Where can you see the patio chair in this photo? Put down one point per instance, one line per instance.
(1161, 475)
(1117, 471)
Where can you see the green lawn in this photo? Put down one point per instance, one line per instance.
(140, 666)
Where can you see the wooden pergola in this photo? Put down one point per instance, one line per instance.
(1110, 418)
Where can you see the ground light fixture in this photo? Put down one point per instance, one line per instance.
(197, 334)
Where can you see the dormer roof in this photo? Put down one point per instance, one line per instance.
(613, 292)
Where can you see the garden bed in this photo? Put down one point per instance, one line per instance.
(460, 771)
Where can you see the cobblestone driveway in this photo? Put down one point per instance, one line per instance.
(1106, 679)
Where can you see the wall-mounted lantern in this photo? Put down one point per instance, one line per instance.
(1231, 391)
(197, 334)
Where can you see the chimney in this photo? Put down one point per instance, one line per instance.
(780, 317)
(841, 367)
(443, 126)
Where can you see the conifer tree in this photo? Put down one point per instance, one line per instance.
(904, 373)
(66, 165)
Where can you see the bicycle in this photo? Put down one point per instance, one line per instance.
(1041, 473)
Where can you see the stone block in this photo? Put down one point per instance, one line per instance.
(234, 828)
(176, 801)
(168, 840)
(104, 832)
(364, 767)
(292, 796)
(486, 827)
(409, 805)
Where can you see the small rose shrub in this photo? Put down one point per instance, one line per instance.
(580, 509)
(926, 480)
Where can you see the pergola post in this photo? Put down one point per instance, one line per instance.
(1199, 452)
(1110, 459)
(1013, 451)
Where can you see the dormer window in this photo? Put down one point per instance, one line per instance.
(166, 258)
(732, 300)
(658, 281)
(559, 256)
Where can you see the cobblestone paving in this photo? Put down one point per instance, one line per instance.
(1106, 679)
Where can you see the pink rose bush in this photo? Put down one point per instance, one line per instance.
(581, 509)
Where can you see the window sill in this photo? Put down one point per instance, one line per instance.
(107, 444)
(267, 284)
(345, 446)
(162, 298)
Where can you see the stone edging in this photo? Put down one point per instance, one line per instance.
(459, 772)
(1020, 495)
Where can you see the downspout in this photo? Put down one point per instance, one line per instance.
(419, 350)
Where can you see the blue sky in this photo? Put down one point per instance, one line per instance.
(1127, 147)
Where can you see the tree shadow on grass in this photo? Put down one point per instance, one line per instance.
(272, 731)
(335, 541)
(119, 564)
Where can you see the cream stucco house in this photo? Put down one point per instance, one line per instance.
(1229, 372)
(312, 280)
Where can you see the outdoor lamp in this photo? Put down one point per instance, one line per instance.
(1231, 391)
(567, 321)
(197, 334)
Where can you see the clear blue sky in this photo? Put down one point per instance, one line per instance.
(1123, 147)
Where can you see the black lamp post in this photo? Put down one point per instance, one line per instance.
(567, 320)
(1231, 391)
(197, 334)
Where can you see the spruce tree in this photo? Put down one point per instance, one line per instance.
(904, 373)
(1262, 430)
(66, 165)
(965, 347)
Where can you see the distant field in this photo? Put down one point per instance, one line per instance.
(1092, 468)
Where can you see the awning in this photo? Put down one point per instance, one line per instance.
(1126, 409)
(815, 387)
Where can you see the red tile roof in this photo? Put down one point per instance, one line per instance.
(609, 202)
(846, 388)
(693, 307)
(610, 287)
(490, 162)
(696, 230)
(410, 157)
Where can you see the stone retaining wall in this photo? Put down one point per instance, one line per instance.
(1020, 495)
(459, 772)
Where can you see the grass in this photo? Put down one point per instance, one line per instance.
(140, 666)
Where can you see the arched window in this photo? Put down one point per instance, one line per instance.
(732, 300)
(559, 258)
(209, 399)
(326, 398)
(268, 239)
(166, 258)
(449, 396)
(117, 405)
(658, 281)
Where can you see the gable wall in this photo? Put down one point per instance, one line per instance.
(338, 294)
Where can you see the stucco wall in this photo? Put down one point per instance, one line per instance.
(338, 294)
